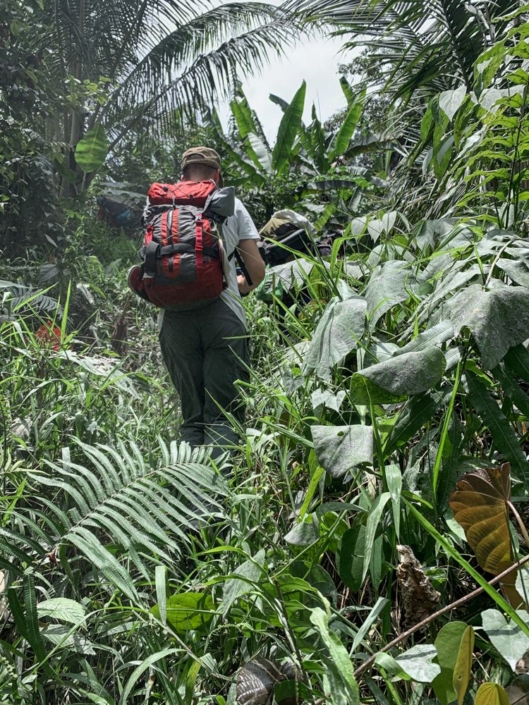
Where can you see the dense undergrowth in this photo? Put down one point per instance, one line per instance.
(300, 569)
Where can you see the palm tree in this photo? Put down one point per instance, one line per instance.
(127, 60)
(428, 45)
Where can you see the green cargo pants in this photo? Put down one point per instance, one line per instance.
(205, 351)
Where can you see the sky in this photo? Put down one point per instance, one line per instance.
(313, 59)
(316, 61)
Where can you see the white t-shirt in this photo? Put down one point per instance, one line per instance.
(237, 227)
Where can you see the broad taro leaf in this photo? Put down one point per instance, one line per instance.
(258, 678)
(327, 399)
(389, 285)
(436, 335)
(91, 151)
(398, 377)
(507, 637)
(498, 319)
(338, 332)
(517, 270)
(418, 663)
(340, 448)
(188, 611)
(480, 505)
(451, 101)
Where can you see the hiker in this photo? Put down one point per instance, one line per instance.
(203, 340)
(283, 238)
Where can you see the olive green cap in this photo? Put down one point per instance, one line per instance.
(201, 155)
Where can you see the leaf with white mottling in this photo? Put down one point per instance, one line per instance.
(451, 101)
(341, 448)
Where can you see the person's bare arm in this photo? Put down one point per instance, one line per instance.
(253, 263)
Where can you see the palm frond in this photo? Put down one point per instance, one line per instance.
(432, 45)
(196, 61)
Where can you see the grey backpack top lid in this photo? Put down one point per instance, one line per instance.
(221, 203)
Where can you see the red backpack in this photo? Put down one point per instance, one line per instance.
(182, 248)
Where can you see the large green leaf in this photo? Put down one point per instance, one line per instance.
(454, 655)
(517, 270)
(341, 448)
(338, 332)
(400, 376)
(188, 610)
(260, 153)
(347, 128)
(243, 117)
(390, 284)
(498, 319)
(435, 335)
(288, 129)
(91, 151)
(451, 101)
(417, 662)
(304, 533)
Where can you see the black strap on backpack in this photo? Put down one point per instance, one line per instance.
(241, 265)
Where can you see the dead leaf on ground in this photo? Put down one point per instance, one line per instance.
(419, 598)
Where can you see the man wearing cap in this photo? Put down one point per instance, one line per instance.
(205, 350)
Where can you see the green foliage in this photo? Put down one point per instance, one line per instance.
(136, 570)
(306, 162)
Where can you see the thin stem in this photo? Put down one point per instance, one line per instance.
(439, 613)
(520, 523)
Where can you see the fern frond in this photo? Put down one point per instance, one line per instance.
(18, 299)
(113, 496)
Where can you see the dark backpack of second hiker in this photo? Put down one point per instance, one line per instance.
(279, 234)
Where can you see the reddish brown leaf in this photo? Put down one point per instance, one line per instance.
(480, 506)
